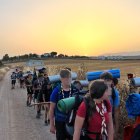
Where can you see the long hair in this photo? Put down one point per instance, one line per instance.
(96, 91)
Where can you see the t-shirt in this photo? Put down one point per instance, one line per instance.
(28, 84)
(13, 77)
(94, 124)
(116, 101)
(47, 92)
(38, 83)
(55, 97)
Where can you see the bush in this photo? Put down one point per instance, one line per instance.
(1, 64)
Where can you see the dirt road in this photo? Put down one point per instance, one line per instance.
(18, 122)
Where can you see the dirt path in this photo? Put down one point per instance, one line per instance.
(18, 122)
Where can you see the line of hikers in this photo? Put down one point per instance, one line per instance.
(94, 118)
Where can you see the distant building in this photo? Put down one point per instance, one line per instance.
(110, 57)
(46, 54)
(101, 57)
(35, 63)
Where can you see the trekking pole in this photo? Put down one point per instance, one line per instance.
(41, 103)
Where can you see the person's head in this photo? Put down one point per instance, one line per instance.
(107, 77)
(45, 75)
(29, 76)
(43, 70)
(115, 81)
(77, 84)
(65, 77)
(67, 68)
(40, 75)
(98, 90)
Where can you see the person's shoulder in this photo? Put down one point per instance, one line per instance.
(56, 90)
(108, 105)
(54, 95)
(117, 93)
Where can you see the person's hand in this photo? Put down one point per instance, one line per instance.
(52, 129)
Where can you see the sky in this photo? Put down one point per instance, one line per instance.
(73, 27)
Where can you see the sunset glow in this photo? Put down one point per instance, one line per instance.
(75, 27)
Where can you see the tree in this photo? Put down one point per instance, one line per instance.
(5, 57)
(1, 64)
(53, 54)
(34, 55)
(30, 55)
(66, 55)
(60, 55)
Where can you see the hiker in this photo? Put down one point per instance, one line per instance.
(13, 80)
(29, 87)
(114, 99)
(21, 79)
(57, 118)
(37, 92)
(94, 118)
(78, 85)
(46, 91)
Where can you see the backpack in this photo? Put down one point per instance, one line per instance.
(59, 114)
(13, 76)
(136, 134)
(72, 115)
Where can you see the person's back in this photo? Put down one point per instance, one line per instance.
(13, 80)
(13, 76)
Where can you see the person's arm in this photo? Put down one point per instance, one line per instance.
(52, 126)
(116, 119)
(116, 112)
(53, 102)
(79, 121)
(110, 127)
(43, 97)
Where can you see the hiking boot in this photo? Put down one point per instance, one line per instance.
(38, 116)
(46, 122)
(27, 103)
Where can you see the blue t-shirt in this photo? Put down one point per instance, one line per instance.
(55, 97)
(116, 101)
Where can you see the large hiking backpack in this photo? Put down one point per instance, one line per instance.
(72, 115)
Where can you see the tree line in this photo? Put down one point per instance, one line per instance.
(53, 54)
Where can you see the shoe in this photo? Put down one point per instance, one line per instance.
(46, 122)
(38, 116)
(27, 103)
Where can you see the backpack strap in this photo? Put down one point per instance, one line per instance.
(87, 117)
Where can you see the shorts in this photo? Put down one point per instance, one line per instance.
(47, 97)
(35, 94)
(29, 91)
(13, 82)
(21, 82)
(40, 97)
